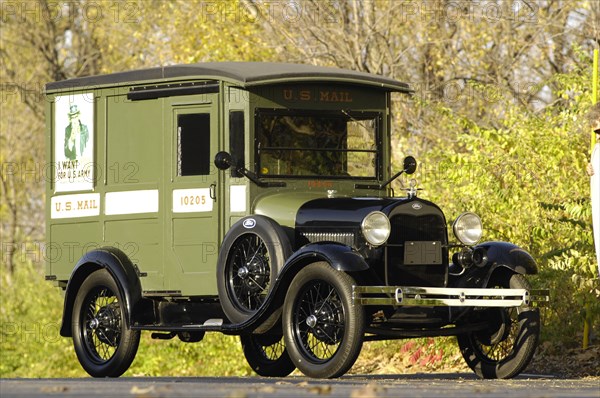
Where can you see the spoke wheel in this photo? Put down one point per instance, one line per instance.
(248, 272)
(323, 329)
(267, 355)
(505, 349)
(104, 345)
(101, 324)
(319, 321)
(253, 252)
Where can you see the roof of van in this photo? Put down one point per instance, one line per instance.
(243, 74)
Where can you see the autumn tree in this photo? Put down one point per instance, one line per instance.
(41, 41)
(46, 41)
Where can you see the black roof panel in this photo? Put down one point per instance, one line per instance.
(244, 74)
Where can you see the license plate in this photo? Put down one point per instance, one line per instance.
(422, 253)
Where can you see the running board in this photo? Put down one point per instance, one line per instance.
(447, 297)
(210, 325)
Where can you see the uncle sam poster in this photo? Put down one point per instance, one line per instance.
(74, 142)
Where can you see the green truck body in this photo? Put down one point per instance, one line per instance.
(255, 199)
(171, 225)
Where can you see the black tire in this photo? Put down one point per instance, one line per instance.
(104, 345)
(251, 256)
(506, 348)
(266, 354)
(323, 329)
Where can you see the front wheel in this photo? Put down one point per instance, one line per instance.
(266, 354)
(504, 349)
(104, 345)
(322, 327)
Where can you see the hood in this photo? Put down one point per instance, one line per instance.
(283, 207)
(340, 212)
(313, 210)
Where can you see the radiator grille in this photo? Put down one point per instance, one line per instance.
(345, 238)
(411, 228)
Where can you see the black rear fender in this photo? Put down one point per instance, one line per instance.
(121, 269)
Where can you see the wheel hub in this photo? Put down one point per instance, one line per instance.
(94, 323)
(243, 272)
(106, 325)
(311, 321)
(324, 323)
(255, 274)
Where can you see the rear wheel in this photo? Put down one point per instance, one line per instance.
(323, 329)
(104, 345)
(266, 355)
(504, 349)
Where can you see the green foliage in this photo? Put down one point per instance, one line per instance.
(30, 344)
(527, 180)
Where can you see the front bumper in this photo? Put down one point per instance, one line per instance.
(448, 297)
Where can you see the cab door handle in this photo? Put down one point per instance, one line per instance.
(213, 191)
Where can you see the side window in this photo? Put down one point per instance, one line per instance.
(193, 144)
(236, 140)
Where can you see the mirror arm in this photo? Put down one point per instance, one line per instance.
(385, 184)
(223, 161)
(252, 177)
(379, 186)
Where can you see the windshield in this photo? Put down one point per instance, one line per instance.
(340, 144)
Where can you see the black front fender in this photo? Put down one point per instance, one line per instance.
(501, 257)
(121, 269)
(508, 255)
(340, 257)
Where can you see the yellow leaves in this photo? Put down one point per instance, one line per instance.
(178, 31)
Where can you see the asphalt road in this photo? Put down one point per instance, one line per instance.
(417, 385)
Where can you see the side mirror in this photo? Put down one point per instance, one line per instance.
(223, 160)
(410, 165)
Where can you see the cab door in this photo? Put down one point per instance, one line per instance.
(193, 208)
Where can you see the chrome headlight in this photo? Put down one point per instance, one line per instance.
(376, 228)
(468, 228)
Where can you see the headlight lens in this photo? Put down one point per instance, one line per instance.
(468, 228)
(376, 228)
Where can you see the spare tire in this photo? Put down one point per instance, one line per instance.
(252, 254)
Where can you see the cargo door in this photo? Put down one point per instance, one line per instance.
(193, 208)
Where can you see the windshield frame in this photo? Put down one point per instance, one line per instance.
(375, 115)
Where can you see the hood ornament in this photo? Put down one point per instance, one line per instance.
(412, 190)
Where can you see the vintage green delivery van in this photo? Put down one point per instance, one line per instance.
(255, 199)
